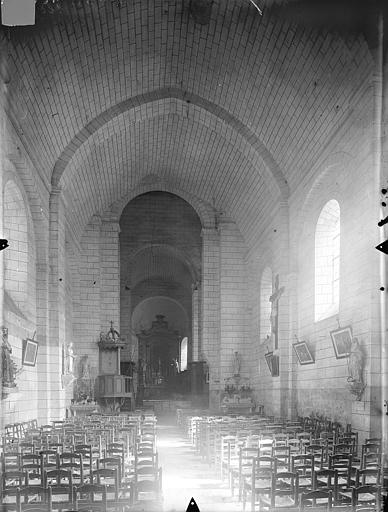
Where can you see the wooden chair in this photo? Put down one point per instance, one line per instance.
(90, 498)
(265, 446)
(41, 499)
(281, 439)
(48, 459)
(371, 460)
(246, 456)
(294, 445)
(327, 479)
(10, 461)
(344, 448)
(319, 453)
(11, 481)
(304, 438)
(147, 494)
(303, 465)
(87, 458)
(367, 476)
(73, 461)
(366, 495)
(109, 478)
(316, 500)
(61, 483)
(283, 456)
(284, 492)
(260, 480)
(342, 462)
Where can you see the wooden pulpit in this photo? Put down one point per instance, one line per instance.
(113, 388)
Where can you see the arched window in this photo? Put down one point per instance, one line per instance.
(183, 361)
(16, 256)
(265, 304)
(327, 261)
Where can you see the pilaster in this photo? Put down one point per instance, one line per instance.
(210, 304)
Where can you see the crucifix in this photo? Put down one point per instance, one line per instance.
(274, 299)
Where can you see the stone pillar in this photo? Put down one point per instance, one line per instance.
(42, 323)
(233, 299)
(57, 306)
(110, 273)
(373, 409)
(281, 390)
(210, 311)
(292, 368)
(2, 165)
(195, 323)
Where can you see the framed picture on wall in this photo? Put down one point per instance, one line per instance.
(273, 363)
(303, 353)
(30, 351)
(268, 357)
(342, 341)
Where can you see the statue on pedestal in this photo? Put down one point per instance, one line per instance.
(355, 367)
(70, 359)
(236, 364)
(7, 364)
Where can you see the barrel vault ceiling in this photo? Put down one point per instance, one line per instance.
(240, 106)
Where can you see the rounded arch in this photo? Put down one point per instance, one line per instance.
(142, 100)
(205, 212)
(322, 189)
(147, 309)
(175, 252)
(20, 257)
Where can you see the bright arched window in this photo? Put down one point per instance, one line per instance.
(327, 261)
(183, 361)
(265, 304)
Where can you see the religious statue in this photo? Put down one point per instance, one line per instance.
(355, 367)
(356, 361)
(236, 364)
(84, 368)
(70, 359)
(7, 365)
(175, 365)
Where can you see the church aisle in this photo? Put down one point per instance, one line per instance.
(185, 475)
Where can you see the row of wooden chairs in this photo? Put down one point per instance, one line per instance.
(127, 465)
(299, 448)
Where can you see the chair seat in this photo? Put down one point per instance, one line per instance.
(280, 501)
(318, 501)
(366, 497)
(259, 484)
(346, 494)
(305, 482)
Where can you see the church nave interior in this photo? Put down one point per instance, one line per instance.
(192, 261)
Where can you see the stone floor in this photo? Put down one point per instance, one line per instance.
(186, 475)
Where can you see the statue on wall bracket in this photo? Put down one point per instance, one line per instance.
(8, 366)
(68, 358)
(356, 363)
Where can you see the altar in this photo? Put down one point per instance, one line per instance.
(237, 405)
(237, 397)
(84, 409)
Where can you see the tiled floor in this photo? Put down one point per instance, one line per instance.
(186, 475)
